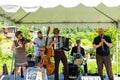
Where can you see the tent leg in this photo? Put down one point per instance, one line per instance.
(117, 48)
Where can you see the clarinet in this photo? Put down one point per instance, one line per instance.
(102, 43)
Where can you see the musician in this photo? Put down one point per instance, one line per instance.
(29, 57)
(59, 55)
(31, 62)
(39, 45)
(19, 46)
(79, 49)
(102, 43)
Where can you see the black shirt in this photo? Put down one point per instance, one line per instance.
(75, 49)
(105, 51)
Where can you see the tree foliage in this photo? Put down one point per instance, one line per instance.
(26, 32)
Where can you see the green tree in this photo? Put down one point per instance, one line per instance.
(26, 32)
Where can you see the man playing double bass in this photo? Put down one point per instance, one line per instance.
(42, 48)
(39, 45)
(59, 55)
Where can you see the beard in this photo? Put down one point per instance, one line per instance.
(40, 37)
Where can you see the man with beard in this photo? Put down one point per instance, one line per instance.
(39, 45)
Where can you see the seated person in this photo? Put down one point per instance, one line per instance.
(31, 62)
(29, 57)
(79, 49)
(39, 66)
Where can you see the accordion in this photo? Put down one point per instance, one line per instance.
(62, 43)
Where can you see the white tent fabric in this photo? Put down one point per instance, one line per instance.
(33, 5)
(54, 3)
(60, 14)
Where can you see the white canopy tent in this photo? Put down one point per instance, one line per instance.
(62, 12)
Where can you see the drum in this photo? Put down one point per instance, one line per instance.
(73, 70)
(61, 43)
(78, 59)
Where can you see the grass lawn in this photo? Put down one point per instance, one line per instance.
(92, 67)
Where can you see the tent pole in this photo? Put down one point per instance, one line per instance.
(117, 25)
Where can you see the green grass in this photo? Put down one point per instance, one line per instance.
(92, 67)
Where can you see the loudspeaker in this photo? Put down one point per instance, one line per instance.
(5, 70)
(73, 69)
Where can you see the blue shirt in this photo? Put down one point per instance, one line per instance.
(38, 43)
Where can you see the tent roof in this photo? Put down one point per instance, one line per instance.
(61, 14)
(54, 3)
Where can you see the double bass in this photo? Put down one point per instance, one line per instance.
(47, 57)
